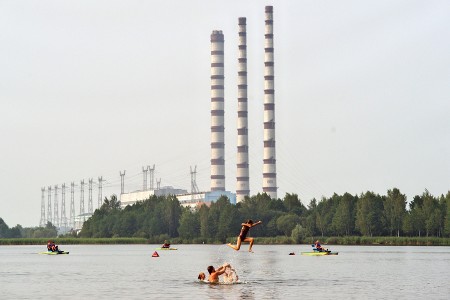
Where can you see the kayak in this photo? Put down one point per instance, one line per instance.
(317, 253)
(166, 249)
(54, 253)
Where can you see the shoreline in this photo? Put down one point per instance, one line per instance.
(349, 241)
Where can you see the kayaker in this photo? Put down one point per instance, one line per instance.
(166, 244)
(51, 246)
(214, 274)
(243, 235)
(318, 246)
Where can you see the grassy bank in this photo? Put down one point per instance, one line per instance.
(279, 240)
(360, 240)
(389, 241)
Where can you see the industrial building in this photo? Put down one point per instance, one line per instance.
(196, 198)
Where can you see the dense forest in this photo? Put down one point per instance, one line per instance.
(366, 215)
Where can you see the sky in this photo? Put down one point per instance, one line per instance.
(95, 88)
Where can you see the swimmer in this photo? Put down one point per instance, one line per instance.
(230, 275)
(201, 276)
(243, 235)
(214, 274)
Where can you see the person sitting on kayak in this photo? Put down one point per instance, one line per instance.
(166, 244)
(318, 246)
(51, 246)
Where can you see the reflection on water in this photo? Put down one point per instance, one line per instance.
(129, 272)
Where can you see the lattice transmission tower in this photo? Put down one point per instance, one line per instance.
(100, 188)
(90, 205)
(49, 205)
(63, 222)
(43, 221)
(72, 205)
(82, 198)
(55, 206)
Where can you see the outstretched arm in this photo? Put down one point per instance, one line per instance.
(257, 223)
(220, 270)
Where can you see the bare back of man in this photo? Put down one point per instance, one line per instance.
(214, 274)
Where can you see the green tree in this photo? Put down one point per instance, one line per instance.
(4, 229)
(447, 215)
(189, 224)
(343, 221)
(431, 213)
(299, 234)
(205, 228)
(287, 222)
(292, 204)
(394, 210)
(112, 204)
(172, 213)
(368, 214)
(324, 216)
(311, 215)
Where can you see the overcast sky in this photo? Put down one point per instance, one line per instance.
(92, 88)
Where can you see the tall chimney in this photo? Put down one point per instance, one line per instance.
(217, 112)
(242, 178)
(269, 166)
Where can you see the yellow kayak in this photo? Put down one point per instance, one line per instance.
(54, 253)
(166, 249)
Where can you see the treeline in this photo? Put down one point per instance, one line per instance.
(49, 231)
(368, 214)
(286, 220)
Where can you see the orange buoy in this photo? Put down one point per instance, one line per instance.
(155, 254)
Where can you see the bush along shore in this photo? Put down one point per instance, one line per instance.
(279, 240)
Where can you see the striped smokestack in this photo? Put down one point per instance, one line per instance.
(269, 167)
(242, 178)
(217, 112)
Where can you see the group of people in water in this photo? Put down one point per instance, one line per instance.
(228, 272)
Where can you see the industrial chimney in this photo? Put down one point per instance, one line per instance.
(217, 112)
(242, 178)
(269, 166)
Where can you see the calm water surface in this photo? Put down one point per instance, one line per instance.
(129, 272)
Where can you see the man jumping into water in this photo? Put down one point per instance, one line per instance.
(243, 235)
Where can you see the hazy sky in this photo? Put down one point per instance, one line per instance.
(91, 88)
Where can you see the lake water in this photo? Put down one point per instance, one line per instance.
(129, 272)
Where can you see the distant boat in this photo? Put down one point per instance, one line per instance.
(166, 248)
